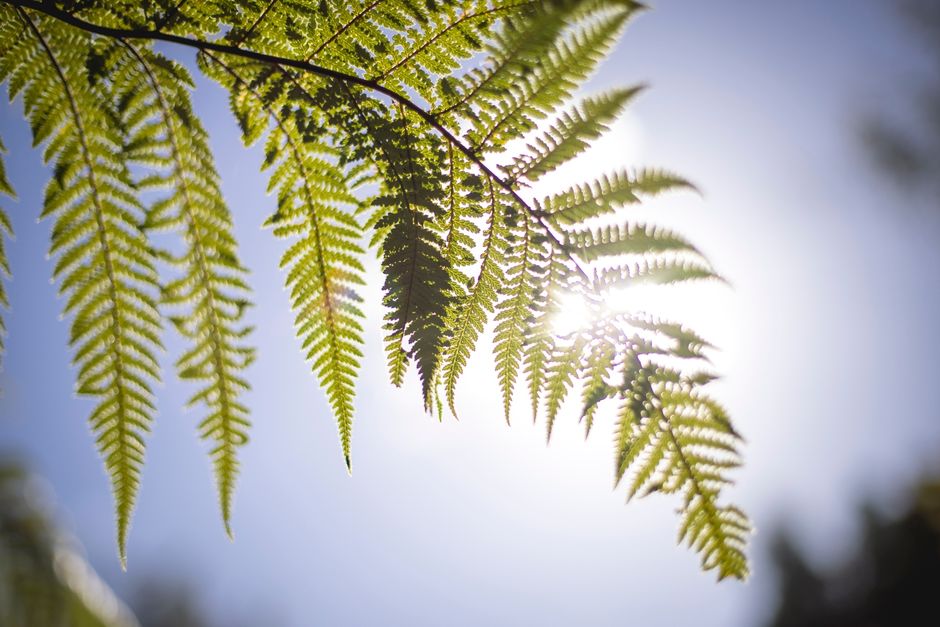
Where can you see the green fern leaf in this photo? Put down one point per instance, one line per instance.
(468, 315)
(551, 80)
(595, 388)
(6, 230)
(418, 288)
(323, 263)
(104, 263)
(562, 371)
(511, 54)
(632, 239)
(375, 117)
(211, 295)
(518, 309)
(607, 194)
(450, 35)
(540, 335)
(570, 134)
(656, 271)
(676, 440)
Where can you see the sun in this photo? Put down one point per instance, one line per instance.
(573, 314)
(705, 307)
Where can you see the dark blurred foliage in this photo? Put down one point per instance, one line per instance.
(909, 151)
(160, 602)
(44, 581)
(892, 580)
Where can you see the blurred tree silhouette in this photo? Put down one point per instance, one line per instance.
(161, 602)
(910, 153)
(44, 581)
(891, 581)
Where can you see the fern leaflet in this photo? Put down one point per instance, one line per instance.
(103, 262)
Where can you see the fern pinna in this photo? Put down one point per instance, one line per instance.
(7, 228)
(415, 130)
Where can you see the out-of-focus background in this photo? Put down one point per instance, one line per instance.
(813, 129)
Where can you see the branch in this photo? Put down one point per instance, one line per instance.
(430, 119)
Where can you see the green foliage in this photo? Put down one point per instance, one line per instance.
(374, 116)
(44, 580)
(571, 134)
(7, 231)
(677, 440)
(103, 262)
(208, 298)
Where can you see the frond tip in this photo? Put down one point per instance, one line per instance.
(674, 439)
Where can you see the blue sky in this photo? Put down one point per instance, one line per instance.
(827, 344)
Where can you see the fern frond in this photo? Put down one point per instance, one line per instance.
(681, 341)
(351, 35)
(451, 34)
(514, 52)
(417, 279)
(540, 334)
(463, 205)
(550, 80)
(631, 239)
(103, 261)
(323, 263)
(407, 213)
(607, 194)
(518, 309)
(570, 134)
(6, 230)
(383, 121)
(562, 372)
(676, 440)
(511, 52)
(211, 295)
(274, 26)
(596, 388)
(467, 315)
(656, 271)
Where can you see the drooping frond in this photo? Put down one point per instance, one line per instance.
(104, 265)
(540, 332)
(596, 388)
(417, 281)
(463, 207)
(674, 439)
(207, 300)
(407, 213)
(563, 365)
(570, 135)
(6, 230)
(519, 309)
(323, 259)
(468, 314)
